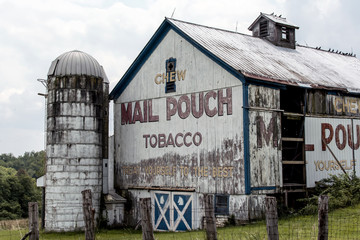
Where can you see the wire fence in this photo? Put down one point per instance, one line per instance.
(342, 224)
(339, 224)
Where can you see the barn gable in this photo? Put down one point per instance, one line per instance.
(165, 27)
(191, 127)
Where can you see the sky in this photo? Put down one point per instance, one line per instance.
(33, 33)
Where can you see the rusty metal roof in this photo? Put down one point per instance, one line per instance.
(76, 63)
(257, 58)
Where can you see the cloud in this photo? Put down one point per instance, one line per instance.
(19, 141)
(34, 33)
(7, 93)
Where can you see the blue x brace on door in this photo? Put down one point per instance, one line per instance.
(173, 211)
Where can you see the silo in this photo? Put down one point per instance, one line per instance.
(77, 132)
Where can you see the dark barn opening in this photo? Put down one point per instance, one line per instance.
(292, 135)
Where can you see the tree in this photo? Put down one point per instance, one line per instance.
(17, 188)
(32, 162)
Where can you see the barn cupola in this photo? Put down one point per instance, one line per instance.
(275, 29)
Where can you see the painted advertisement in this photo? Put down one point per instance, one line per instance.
(332, 147)
(184, 141)
(343, 105)
(178, 124)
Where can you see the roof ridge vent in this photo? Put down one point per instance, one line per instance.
(275, 29)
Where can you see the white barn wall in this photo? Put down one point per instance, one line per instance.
(221, 144)
(320, 163)
(265, 138)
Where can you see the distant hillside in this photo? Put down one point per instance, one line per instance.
(32, 162)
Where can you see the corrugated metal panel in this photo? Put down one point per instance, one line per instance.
(76, 63)
(258, 58)
(339, 136)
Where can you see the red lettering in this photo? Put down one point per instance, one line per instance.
(170, 140)
(137, 113)
(225, 100)
(126, 113)
(145, 108)
(184, 114)
(326, 140)
(357, 137)
(197, 143)
(188, 144)
(339, 128)
(170, 111)
(176, 140)
(153, 144)
(195, 113)
(162, 140)
(265, 133)
(146, 140)
(350, 137)
(208, 111)
(152, 118)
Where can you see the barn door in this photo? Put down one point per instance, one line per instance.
(173, 211)
(162, 211)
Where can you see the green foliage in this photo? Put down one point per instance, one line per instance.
(343, 191)
(17, 188)
(32, 162)
(18, 184)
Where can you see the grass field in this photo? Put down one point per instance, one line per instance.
(343, 224)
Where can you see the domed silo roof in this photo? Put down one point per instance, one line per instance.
(76, 63)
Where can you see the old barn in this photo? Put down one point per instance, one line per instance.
(200, 111)
(209, 111)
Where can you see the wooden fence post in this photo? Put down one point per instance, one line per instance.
(323, 217)
(211, 233)
(33, 221)
(146, 224)
(89, 213)
(271, 218)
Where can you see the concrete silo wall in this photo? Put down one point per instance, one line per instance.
(77, 123)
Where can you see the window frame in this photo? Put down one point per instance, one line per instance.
(224, 208)
(285, 34)
(263, 28)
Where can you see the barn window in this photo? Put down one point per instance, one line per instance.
(221, 204)
(285, 34)
(263, 28)
(170, 85)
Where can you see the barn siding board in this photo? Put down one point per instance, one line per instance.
(319, 162)
(264, 97)
(265, 136)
